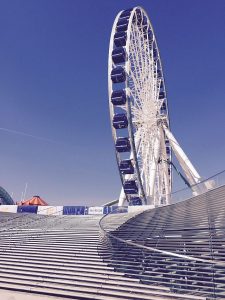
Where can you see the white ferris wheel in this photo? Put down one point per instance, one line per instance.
(139, 113)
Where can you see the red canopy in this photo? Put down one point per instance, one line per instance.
(35, 200)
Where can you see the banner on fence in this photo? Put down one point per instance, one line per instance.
(32, 209)
(8, 208)
(50, 210)
(75, 210)
(95, 210)
(72, 210)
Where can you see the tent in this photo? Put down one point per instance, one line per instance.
(35, 200)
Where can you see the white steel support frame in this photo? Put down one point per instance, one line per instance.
(146, 109)
(165, 167)
(188, 168)
(190, 172)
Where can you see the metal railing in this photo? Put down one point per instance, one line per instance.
(210, 183)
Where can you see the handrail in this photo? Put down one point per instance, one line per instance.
(210, 180)
(202, 181)
(220, 263)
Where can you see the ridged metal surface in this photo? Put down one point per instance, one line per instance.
(58, 256)
(172, 252)
(180, 246)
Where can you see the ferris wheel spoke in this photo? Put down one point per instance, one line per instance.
(137, 104)
(137, 85)
(138, 88)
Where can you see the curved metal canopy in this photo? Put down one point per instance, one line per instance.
(6, 198)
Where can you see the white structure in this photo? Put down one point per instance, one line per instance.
(139, 113)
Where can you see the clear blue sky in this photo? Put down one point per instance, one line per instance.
(53, 84)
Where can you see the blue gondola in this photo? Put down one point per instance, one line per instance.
(126, 14)
(161, 95)
(135, 201)
(120, 38)
(119, 55)
(150, 35)
(122, 25)
(144, 21)
(120, 121)
(118, 74)
(126, 167)
(163, 107)
(155, 54)
(138, 17)
(123, 144)
(167, 150)
(118, 97)
(159, 73)
(130, 187)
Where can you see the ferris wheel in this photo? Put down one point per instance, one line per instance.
(139, 113)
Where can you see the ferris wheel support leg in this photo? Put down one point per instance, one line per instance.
(122, 198)
(167, 182)
(188, 168)
(153, 167)
(167, 189)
